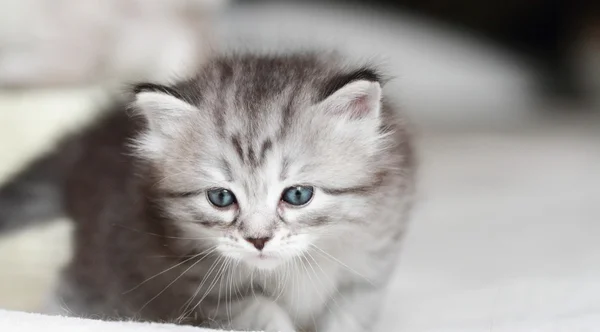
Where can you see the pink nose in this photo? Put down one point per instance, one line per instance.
(258, 243)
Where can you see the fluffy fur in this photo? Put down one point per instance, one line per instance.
(150, 246)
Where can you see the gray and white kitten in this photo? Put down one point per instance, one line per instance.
(267, 193)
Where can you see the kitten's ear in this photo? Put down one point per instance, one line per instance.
(162, 107)
(356, 100)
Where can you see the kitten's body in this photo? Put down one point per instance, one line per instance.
(148, 246)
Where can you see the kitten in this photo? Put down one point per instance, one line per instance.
(267, 193)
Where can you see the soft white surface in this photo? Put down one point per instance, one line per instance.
(28, 322)
(506, 235)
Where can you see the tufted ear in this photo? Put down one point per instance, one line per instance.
(166, 113)
(358, 99)
(163, 108)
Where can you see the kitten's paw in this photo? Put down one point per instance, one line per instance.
(262, 314)
(279, 322)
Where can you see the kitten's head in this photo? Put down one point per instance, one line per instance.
(263, 157)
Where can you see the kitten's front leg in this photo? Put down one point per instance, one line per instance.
(261, 314)
(353, 310)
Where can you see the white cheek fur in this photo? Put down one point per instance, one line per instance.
(290, 246)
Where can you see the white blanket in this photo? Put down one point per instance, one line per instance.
(13, 321)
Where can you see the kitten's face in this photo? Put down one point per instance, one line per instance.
(266, 185)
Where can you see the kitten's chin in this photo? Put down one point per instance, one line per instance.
(262, 261)
(254, 260)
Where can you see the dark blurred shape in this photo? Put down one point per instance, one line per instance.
(541, 29)
(547, 32)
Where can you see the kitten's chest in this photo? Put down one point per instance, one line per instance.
(307, 290)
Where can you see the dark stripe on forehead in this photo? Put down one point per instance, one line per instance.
(252, 159)
(219, 114)
(225, 74)
(235, 140)
(266, 147)
(286, 115)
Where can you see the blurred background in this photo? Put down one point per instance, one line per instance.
(504, 96)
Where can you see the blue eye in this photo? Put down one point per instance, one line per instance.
(297, 195)
(220, 197)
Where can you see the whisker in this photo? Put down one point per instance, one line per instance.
(314, 286)
(169, 176)
(206, 276)
(65, 307)
(219, 299)
(171, 283)
(252, 283)
(206, 253)
(285, 278)
(170, 256)
(230, 300)
(346, 315)
(237, 291)
(213, 283)
(164, 236)
(296, 283)
(342, 264)
(227, 294)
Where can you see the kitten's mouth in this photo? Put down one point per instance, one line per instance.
(263, 261)
(263, 256)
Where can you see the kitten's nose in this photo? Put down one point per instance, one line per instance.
(258, 243)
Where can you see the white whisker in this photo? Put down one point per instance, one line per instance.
(171, 283)
(332, 297)
(217, 278)
(341, 263)
(189, 302)
(206, 253)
